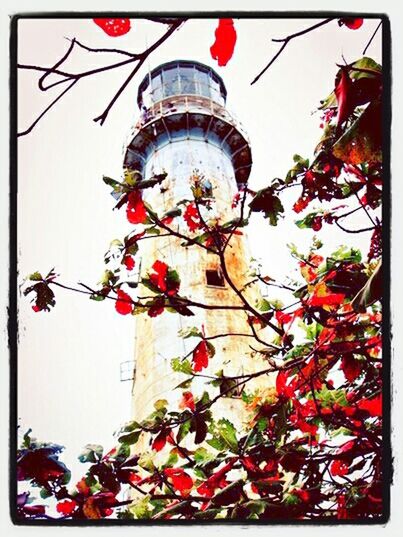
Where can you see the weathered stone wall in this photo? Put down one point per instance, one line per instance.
(157, 340)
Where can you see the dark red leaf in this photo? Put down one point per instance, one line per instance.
(156, 308)
(113, 27)
(224, 44)
(34, 509)
(345, 96)
(159, 441)
(351, 367)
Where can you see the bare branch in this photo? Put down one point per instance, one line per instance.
(285, 42)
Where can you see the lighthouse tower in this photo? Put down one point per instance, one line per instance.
(186, 131)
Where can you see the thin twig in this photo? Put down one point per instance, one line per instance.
(372, 37)
(285, 42)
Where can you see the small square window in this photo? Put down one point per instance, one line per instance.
(215, 278)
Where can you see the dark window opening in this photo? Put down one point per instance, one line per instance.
(214, 277)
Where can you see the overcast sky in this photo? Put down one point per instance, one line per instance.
(69, 386)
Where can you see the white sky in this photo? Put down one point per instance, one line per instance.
(69, 387)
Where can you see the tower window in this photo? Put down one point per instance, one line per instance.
(215, 278)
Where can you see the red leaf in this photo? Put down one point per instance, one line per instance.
(191, 217)
(283, 318)
(345, 97)
(187, 401)
(66, 507)
(136, 210)
(351, 367)
(339, 467)
(332, 299)
(159, 441)
(373, 406)
(300, 204)
(113, 27)
(123, 304)
(341, 507)
(351, 23)
(224, 44)
(200, 356)
(217, 480)
(180, 480)
(129, 262)
(156, 308)
(282, 387)
(158, 277)
(34, 509)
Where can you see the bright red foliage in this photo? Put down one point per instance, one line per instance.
(129, 262)
(180, 480)
(373, 406)
(158, 277)
(124, 304)
(200, 356)
(66, 507)
(224, 44)
(191, 217)
(113, 27)
(136, 210)
(352, 23)
(339, 467)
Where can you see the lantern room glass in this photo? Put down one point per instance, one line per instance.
(182, 79)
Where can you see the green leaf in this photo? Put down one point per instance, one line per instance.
(192, 331)
(110, 182)
(161, 404)
(130, 438)
(183, 430)
(35, 277)
(227, 433)
(185, 384)
(45, 493)
(203, 457)
(181, 366)
(141, 508)
(91, 453)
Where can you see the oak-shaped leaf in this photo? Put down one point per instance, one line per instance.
(269, 203)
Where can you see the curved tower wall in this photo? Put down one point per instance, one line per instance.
(181, 151)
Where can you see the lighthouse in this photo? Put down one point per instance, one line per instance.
(186, 131)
